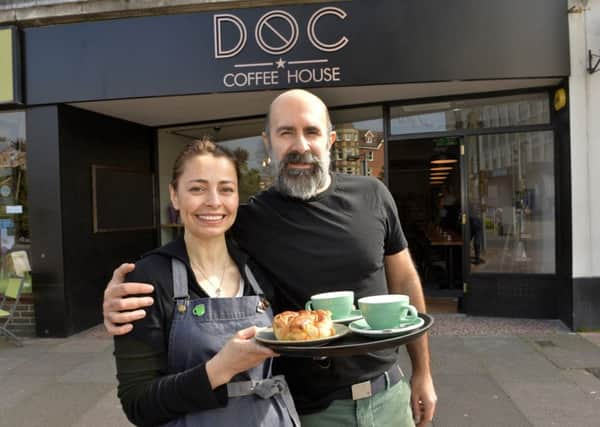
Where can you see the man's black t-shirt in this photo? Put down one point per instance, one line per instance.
(334, 241)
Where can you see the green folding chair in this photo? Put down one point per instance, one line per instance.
(13, 292)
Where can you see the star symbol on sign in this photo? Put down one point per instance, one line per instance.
(280, 63)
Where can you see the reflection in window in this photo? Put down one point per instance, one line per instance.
(254, 164)
(359, 140)
(511, 199)
(470, 114)
(14, 220)
(242, 137)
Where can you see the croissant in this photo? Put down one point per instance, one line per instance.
(303, 325)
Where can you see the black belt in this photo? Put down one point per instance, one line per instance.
(371, 387)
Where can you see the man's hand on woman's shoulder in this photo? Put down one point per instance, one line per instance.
(119, 307)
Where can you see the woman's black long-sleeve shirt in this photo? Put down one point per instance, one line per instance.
(148, 393)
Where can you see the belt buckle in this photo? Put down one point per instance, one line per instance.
(361, 390)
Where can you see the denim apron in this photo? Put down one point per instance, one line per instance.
(200, 328)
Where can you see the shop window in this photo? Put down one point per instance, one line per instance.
(512, 200)
(360, 125)
(242, 137)
(14, 220)
(504, 111)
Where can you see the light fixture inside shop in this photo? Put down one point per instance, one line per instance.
(441, 168)
(439, 173)
(442, 159)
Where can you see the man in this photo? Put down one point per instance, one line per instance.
(316, 232)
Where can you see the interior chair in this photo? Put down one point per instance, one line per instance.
(12, 293)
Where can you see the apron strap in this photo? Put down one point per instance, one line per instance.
(180, 285)
(275, 387)
(253, 282)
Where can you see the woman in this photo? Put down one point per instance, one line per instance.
(192, 360)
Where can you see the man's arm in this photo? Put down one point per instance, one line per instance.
(402, 278)
(119, 307)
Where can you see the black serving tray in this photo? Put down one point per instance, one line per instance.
(352, 343)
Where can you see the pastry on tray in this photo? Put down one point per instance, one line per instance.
(303, 325)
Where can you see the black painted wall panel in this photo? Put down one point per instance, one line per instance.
(564, 232)
(88, 138)
(44, 199)
(586, 313)
(513, 296)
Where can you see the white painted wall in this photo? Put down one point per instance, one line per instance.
(584, 105)
(593, 119)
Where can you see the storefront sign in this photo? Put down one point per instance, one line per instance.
(345, 43)
(10, 92)
(284, 28)
(16, 209)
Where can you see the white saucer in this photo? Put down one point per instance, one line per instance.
(267, 337)
(354, 315)
(361, 327)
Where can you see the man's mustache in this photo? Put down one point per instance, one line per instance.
(297, 157)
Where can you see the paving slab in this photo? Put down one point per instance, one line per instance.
(474, 400)
(87, 345)
(107, 412)
(560, 404)
(450, 356)
(100, 369)
(17, 388)
(593, 337)
(512, 359)
(7, 364)
(569, 351)
(587, 382)
(51, 364)
(29, 348)
(60, 405)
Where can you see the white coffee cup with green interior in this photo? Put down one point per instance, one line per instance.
(387, 311)
(340, 303)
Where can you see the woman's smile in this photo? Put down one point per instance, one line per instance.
(211, 218)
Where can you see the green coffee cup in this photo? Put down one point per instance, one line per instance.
(339, 303)
(387, 311)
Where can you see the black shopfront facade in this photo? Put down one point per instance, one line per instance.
(100, 94)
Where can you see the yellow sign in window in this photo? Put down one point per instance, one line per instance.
(7, 92)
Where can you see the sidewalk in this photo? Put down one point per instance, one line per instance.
(488, 372)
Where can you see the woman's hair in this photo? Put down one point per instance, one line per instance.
(201, 148)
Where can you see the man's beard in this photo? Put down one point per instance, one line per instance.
(301, 183)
